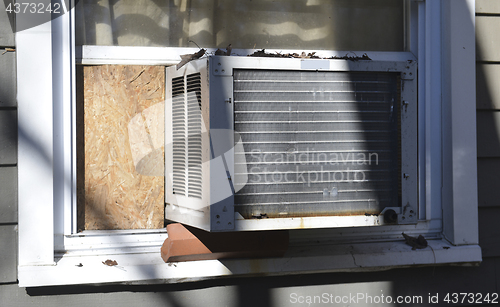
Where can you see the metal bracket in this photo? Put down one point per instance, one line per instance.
(409, 72)
(218, 68)
(398, 215)
(222, 217)
(408, 215)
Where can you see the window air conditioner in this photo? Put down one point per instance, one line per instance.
(255, 143)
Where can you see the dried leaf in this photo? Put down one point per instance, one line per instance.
(110, 262)
(415, 243)
(186, 58)
(220, 52)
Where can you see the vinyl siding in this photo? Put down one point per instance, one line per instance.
(8, 194)
(487, 7)
(6, 34)
(8, 153)
(8, 253)
(488, 124)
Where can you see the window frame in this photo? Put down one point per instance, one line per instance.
(50, 250)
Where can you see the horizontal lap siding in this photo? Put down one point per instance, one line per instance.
(488, 130)
(487, 91)
(489, 232)
(488, 124)
(8, 139)
(8, 152)
(7, 37)
(7, 77)
(8, 195)
(488, 43)
(8, 253)
(487, 7)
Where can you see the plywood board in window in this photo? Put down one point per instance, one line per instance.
(123, 158)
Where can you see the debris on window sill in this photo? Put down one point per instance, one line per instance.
(415, 243)
(110, 262)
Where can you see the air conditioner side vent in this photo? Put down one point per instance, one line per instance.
(194, 146)
(186, 132)
(179, 138)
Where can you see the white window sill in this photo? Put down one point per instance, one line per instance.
(148, 267)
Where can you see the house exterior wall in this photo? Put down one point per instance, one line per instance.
(410, 283)
(8, 153)
(488, 124)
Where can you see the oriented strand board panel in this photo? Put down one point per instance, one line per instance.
(123, 147)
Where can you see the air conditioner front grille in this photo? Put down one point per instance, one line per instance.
(186, 126)
(316, 143)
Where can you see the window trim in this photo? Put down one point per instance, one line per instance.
(126, 55)
(47, 177)
(149, 268)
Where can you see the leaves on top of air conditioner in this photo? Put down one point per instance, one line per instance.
(186, 58)
(310, 55)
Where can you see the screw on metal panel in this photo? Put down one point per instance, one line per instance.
(228, 101)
